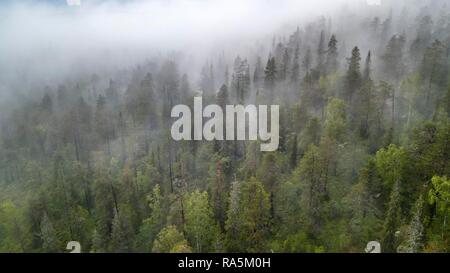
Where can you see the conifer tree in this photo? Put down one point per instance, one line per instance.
(122, 233)
(295, 75)
(48, 235)
(332, 55)
(353, 77)
(392, 221)
(321, 51)
(434, 71)
(270, 76)
(307, 60)
(393, 64)
(415, 229)
(258, 75)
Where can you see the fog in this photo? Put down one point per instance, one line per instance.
(43, 41)
(46, 43)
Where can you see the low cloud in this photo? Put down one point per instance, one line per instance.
(46, 41)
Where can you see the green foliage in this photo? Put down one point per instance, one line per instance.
(364, 151)
(365, 221)
(439, 198)
(248, 222)
(50, 242)
(12, 234)
(391, 164)
(151, 226)
(392, 221)
(201, 230)
(413, 242)
(169, 239)
(122, 232)
(335, 120)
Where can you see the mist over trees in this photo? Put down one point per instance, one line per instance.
(364, 152)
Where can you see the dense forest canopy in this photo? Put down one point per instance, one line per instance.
(86, 152)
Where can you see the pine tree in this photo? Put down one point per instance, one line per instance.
(439, 197)
(270, 76)
(267, 174)
(227, 76)
(258, 75)
(154, 223)
(218, 193)
(97, 243)
(321, 53)
(222, 97)
(112, 93)
(212, 82)
(415, 230)
(365, 100)
(392, 221)
(284, 71)
(295, 75)
(310, 172)
(47, 103)
(122, 233)
(367, 68)
(393, 64)
(434, 71)
(48, 235)
(241, 80)
(307, 60)
(353, 77)
(332, 56)
(364, 223)
(423, 38)
(140, 101)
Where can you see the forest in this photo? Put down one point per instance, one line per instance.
(364, 148)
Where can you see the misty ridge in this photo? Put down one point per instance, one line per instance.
(44, 43)
(362, 145)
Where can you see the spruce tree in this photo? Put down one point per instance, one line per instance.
(332, 55)
(392, 60)
(270, 76)
(353, 77)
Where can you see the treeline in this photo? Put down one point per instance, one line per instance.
(364, 152)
